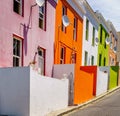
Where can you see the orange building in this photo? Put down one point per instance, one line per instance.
(113, 35)
(68, 40)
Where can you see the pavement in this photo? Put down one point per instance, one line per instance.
(73, 108)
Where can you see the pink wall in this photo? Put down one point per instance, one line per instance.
(10, 24)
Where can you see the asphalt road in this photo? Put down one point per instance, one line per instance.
(108, 106)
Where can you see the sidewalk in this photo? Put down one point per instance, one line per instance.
(73, 108)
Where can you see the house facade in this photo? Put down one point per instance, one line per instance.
(113, 44)
(68, 42)
(90, 34)
(27, 34)
(103, 47)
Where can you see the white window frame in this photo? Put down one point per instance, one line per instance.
(41, 61)
(20, 51)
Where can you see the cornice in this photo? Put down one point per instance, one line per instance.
(88, 7)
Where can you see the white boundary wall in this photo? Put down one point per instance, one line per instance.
(68, 71)
(47, 94)
(25, 93)
(102, 82)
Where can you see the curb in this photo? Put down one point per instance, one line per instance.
(73, 108)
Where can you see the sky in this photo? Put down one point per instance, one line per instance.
(110, 10)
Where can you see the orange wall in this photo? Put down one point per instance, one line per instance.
(66, 40)
(83, 87)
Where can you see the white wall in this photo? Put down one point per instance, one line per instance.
(69, 70)
(47, 94)
(25, 93)
(14, 91)
(102, 82)
(87, 45)
(60, 69)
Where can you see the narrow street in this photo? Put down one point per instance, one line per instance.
(108, 106)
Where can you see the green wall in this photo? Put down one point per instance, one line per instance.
(101, 48)
(113, 79)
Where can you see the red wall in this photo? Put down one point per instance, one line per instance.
(92, 70)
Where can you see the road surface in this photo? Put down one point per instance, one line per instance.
(107, 106)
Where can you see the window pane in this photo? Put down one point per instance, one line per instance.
(16, 52)
(15, 61)
(101, 35)
(42, 17)
(92, 60)
(64, 12)
(104, 61)
(41, 61)
(18, 48)
(93, 37)
(87, 28)
(41, 9)
(75, 29)
(62, 55)
(100, 58)
(40, 52)
(86, 58)
(41, 23)
(17, 6)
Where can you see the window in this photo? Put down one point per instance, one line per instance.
(86, 58)
(110, 60)
(115, 42)
(104, 61)
(75, 29)
(93, 37)
(73, 57)
(92, 60)
(113, 61)
(105, 41)
(101, 34)
(18, 6)
(17, 52)
(42, 18)
(87, 29)
(62, 55)
(41, 61)
(64, 12)
(105, 45)
(100, 58)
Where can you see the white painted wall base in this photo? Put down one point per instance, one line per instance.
(102, 81)
(25, 93)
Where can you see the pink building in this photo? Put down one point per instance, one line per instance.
(27, 34)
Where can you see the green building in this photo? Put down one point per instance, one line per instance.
(103, 48)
